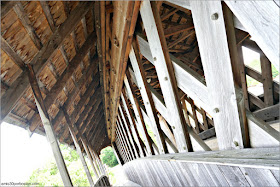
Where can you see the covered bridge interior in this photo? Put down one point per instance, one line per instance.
(163, 82)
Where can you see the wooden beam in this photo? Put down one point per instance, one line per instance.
(208, 16)
(128, 129)
(129, 143)
(165, 72)
(139, 116)
(187, 79)
(47, 12)
(117, 153)
(268, 112)
(6, 6)
(60, 84)
(260, 18)
(70, 126)
(267, 81)
(178, 29)
(168, 13)
(132, 122)
(184, 35)
(18, 88)
(147, 97)
(19, 10)
(124, 141)
(12, 54)
(48, 128)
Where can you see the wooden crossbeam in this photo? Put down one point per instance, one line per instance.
(18, 8)
(165, 72)
(94, 108)
(187, 79)
(6, 7)
(47, 12)
(185, 35)
(12, 54)
(60, 83)
(268, 112)
(18, 88)
(178, 29)
(168, 13)
(267, 81)
(161, 108)
(147, 97)
(208, 16)
(139, 116)
(260, 18)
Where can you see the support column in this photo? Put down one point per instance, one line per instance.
(117, 153)
(76, 142)
(48, 128)
(214, 52)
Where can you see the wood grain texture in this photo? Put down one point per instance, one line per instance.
(261, 19)
(218, 72)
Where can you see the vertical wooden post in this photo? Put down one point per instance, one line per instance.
(76, 143)
(121, 123)
(155, 34)
(267, 80)
(147, 96)
(117, 153)
(48, 128)
(128, 129)
(236, 65)
(123, 140)
(91, 158)
(214, 52)
(132, 121)
(139, 116)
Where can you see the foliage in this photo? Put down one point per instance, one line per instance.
(50, 176)
(108, 157)
(256, 65)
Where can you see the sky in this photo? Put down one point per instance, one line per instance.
(21, 154)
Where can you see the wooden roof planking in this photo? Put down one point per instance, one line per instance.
(79, 52)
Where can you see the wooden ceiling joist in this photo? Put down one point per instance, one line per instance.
(18, 88)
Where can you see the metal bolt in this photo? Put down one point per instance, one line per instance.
(165, 78)
(155, 58)
(147, 103)
(215, 16)
(173, 127)
(216, 110)
(235, 143)
(184, 148)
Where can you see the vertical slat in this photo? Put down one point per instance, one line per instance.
(126, 137)
(48, 128)
(123, 142)
(208, 17)
(139, 116)
(165, 72)
(147, 96)
(267, 80)
(70, 126)
(131, 120)
(117, 153)
(128, 129)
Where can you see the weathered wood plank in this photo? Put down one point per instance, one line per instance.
(139, 116)
(164, 67)
(267, 81)
(268, 112)
(132, 122)
(12, 54)
(18, 88)
(47, 12)
(147, 97)
(18, 8)
(208, 16)
(117, 153)
(261, 19)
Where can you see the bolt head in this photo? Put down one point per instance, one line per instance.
(155, 58)
(165, 78)
(216, 110)
(215, 16)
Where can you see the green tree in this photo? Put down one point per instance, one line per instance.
(108, 157)
(50, 176)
